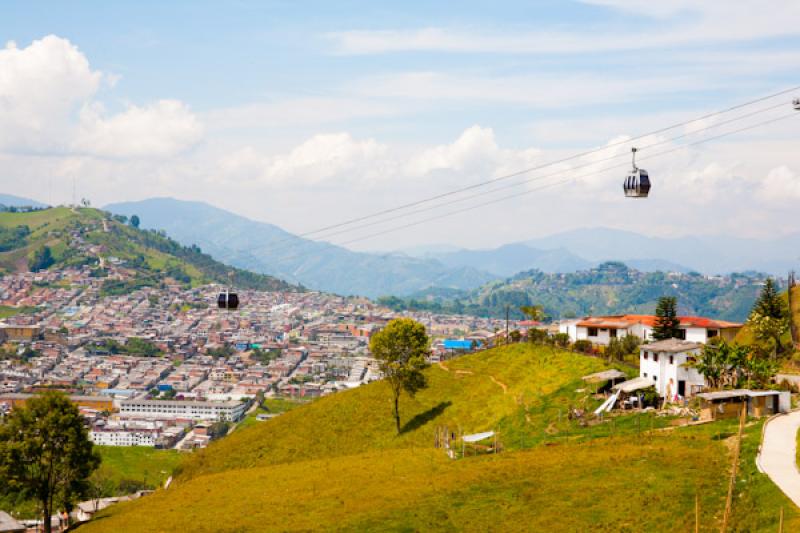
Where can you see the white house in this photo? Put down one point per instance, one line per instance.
(665, 364)
(189, 410)
(600, 330)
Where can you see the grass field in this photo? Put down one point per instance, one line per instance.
(337, 463)
(7, 311)
(138, 463)
(271, 406)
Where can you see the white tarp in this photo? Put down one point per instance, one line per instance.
(633, 385)
(477, 436)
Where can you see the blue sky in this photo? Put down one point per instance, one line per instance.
(303, 114)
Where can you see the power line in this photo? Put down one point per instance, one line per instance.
(545, 176)
(567, 180)
(545, 186)
(542, 166)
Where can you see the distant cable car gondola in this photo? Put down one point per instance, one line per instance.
(228, 300)
(637, 183)
(796, 104)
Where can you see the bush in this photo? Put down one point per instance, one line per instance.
(582, 346)
(561, 340)
(537, 336)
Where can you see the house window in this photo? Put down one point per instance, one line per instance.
(644, 374)
(655, 357)
(682, 334)
(592, 332)
(645, 355)
(655, 378)
(612, 332)
(712, 333)
(671, 360)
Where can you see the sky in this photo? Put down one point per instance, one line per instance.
(307, 114)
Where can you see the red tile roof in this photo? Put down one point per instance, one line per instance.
(625, 321)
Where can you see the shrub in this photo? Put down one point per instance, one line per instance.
(582, 346)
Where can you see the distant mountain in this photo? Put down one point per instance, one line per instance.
(89, 236)
(9, 200)
(268, 249)
(707, 254)
(611, 288)
(509, 259)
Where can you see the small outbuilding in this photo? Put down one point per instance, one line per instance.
(728, 403)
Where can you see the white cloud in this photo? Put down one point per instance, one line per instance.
(475, 154)
(48, 106)
(335, 157)
(680, 23)
(41, 88)
(160, 129)
(781, 187)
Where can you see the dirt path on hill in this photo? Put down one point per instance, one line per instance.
(500, 383)
(441, 365)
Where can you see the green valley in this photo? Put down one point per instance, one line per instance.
(339, 462)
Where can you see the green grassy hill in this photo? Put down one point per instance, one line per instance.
(83, 236)
(611, 288)
(337, 463)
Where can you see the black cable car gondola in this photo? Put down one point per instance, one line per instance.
(228, 300)
(637, 183)
(796, 104)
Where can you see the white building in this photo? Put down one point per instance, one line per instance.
(600, 330)
(191, 410)
(665, 364)
(124, 437)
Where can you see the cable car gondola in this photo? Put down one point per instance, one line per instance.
(637, 183)
(228, 300)
(796, 104)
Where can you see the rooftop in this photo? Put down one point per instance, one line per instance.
(671, 346)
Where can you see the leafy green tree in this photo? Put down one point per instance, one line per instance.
(667, 322)
(533, 312)
(135, 221)
(46, 454)
(769, 319)
(41, 259)
(769, 303)
(401, 348)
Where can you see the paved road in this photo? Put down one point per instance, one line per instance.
(777, 458)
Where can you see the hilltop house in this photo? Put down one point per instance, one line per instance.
(667, 364)
(600, 330)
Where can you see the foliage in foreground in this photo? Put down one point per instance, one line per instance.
(46, 454)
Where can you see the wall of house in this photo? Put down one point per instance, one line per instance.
(665, 375)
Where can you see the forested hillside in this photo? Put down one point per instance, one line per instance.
(63, 237)
(611, 288)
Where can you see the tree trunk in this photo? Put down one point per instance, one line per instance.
(397, 412)
(46, 525)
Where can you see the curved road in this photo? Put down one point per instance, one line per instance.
(777, 457)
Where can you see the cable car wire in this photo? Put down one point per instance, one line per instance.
(542, 166)
(545, 176)
(549, 185)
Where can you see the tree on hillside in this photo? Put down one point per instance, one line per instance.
(41, 259)
(769, 318)
(667, 322)
(769, 303)
(46, 454)
(135, 221)
(533, 312)
(731, 365)
(401, 348)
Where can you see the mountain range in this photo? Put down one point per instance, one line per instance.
(268, 249)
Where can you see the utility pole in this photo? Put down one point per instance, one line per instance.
(507, 309)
